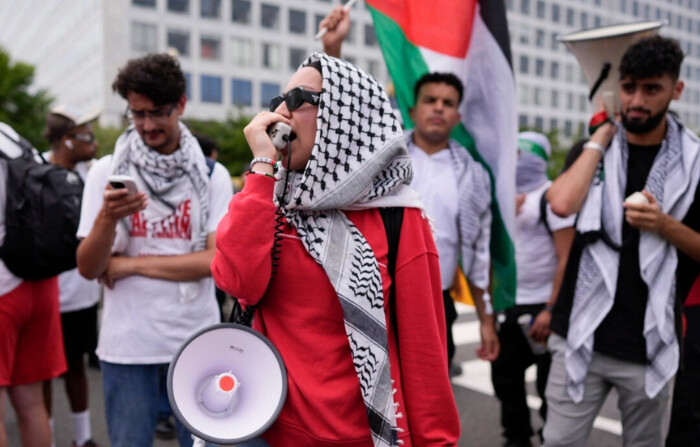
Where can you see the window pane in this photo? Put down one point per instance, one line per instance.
(241, 52)
(210, 9)
(210, 48)
(211, 89)
(180, 40)
(148, 3)
(241, 92)
(270, 16)
(297, 21)
(268, 90)
(240, 11)
(144, 37)
(296, 57)
(370, 36)
(188, 85)
(181, 6)
(271, 56)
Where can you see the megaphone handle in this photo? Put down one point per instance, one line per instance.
(198, 442)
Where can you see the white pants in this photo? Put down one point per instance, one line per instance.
(644, 421)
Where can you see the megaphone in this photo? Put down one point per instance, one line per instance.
(227, 384)
(599, 52)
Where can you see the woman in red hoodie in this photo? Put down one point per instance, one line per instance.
(360, 373)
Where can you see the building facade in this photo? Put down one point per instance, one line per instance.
(237, 54)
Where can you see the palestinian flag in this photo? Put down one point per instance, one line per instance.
(470, 39)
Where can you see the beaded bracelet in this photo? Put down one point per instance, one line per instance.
(259, 173)
(266, 160)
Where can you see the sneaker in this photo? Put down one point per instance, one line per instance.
(88, 443)
(165, 429)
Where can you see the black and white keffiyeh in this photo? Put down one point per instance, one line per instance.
(673, 175)
(359, 161)
(167, 178)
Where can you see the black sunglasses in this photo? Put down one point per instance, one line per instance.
(295, 98)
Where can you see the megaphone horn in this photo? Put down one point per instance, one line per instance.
(227, 384)
(600, 50)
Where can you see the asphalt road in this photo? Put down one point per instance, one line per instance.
(478, 409)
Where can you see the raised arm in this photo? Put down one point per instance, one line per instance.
(337, 22)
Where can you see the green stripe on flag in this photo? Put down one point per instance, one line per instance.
(406, 65)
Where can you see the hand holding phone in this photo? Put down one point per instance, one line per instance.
(279, 134)
(123, 182)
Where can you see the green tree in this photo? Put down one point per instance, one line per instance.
(233, 147)
(21, 109)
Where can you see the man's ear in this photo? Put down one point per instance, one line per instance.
(678, 89)
(410, 113)
(181, 104)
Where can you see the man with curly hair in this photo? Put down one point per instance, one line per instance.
(152, 248)
(635, 255)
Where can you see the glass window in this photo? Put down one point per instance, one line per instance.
(370, 35)
(373, 67)
(297, 21)
(555, 13)
(539, 67)
(539, 123)
(271, 56)
(522, 121)
(569, 73)
(268, 90)
(525, 7)
(509, 5)
(240, 11)
(180, 40)
(211, 89)
(568, 128)
(147, 3)
(539, 38)
(524, 34)
(569, 101)
(541, 10)
(210, 48)
(554, 72)
(144, 37)
(524, 64)
(180, 6)
(210, 9)
(241, 92)
(537, 99)
(597, 22)
(569, 16)
(523, 94)
(553, 124)
(555, 42)
(188, 85)
(241, 52)
(296, 57)
(554, 99)
(582, 102)
(584, 20)
(269, 17)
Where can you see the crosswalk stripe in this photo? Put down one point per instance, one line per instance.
(476, 375)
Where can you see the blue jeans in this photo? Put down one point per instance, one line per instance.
(132, 403)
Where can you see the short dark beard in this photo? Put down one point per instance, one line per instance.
(643, 127)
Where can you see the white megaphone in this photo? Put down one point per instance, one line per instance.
(599, 52)
(227, 384)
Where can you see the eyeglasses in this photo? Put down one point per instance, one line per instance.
(157, 115)
(295, 98)
(86, 137)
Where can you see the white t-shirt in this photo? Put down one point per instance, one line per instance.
(434, 178)
(76, 292)
(8, 281)
(144, 320)
(535, 255)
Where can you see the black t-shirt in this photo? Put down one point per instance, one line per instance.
(620, 335)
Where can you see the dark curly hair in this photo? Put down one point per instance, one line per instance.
(652, 56)
(156, 76)
(438, 78)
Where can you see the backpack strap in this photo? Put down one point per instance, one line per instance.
(393, 220)
(210, 165)
(543, 211)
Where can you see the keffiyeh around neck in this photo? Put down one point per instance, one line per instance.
(359, 160)
(673, 174)
(167, 178)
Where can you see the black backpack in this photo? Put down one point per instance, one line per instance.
(41, 216)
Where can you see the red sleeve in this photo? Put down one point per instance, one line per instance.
(429, 402)
(244, 238)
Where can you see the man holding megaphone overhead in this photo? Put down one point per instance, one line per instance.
(634, 257)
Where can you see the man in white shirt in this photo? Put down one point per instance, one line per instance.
(73, 146)
(152, 249)
(542, 244)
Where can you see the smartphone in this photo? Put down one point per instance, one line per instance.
(123, 181)
(279, 134)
